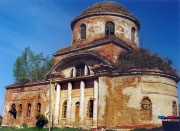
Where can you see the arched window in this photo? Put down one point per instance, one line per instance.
(133, 35)
(13, 111)
(29, 110)
(39, 107)
(20, 110)
(64, 109)
(83, 31)
(90, 109)
(174, 108)
(109, 28)
(80, 70)
(146, 109)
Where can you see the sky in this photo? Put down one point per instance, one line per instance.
(44, 26)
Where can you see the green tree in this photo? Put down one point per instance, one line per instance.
(30, 66)
(41, 120)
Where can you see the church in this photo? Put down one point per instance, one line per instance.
(86, 87)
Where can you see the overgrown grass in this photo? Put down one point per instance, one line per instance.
(142, 58)
(38, 129)
(154, 129)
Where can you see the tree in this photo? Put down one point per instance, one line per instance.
(29, 67)
(41, 120)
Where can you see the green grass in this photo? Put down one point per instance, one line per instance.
(37, 129)
(154, 129)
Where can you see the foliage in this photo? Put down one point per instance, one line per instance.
(142, 58)
(24, 125)
(41, 120)
(30, 67)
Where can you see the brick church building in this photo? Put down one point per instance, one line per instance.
(86, 89)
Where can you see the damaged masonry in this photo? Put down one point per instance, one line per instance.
(91, 86)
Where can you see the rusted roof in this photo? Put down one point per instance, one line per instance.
(111, 7)
(16, 85)
(93, 43)
(105, 8)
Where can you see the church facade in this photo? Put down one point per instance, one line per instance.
(85, 89)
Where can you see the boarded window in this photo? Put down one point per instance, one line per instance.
(133, 35)
(29, 110)
(39, 107)
(90, 109)
(20, 110)
(174, 108)
(80, 70)
(83, 31)
(109, 28)
(146, 109)
(64, 109)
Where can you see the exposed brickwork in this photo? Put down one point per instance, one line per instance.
(118, 95)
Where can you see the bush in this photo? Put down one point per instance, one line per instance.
(24, 125)
(41, 120)
(142, 58)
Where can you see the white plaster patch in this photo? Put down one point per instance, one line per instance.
(128, 90)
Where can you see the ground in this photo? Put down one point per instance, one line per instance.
(63, 129)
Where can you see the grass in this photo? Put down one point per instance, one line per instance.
(154, 129)
(38, 129)
(60, 129)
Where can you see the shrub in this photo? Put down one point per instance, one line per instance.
(41, 120)
(24, 125)
(142, 58)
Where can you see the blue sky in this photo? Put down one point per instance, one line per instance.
(44, 25)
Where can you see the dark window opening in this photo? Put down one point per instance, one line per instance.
(20, 110)
(80, 70)
(39, 107)
(71, 73)
(83, 31)
(109, 28)
(90, 109)
(29, 110)
(64, 109)
(133, 35)
(13, 111)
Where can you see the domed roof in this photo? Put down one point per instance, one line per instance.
(105, 8)
(110, 7)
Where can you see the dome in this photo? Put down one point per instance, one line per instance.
(106, 8)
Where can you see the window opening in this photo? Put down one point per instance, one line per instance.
(133, 35)
(64, 109)
(77, 112)
(146, 109)
(13, 111)
(83, 31)
(109, 28)
(174, 108)
(39, 107)
(80, 70)
(20, 110)
(29, 110)
(90, 109)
